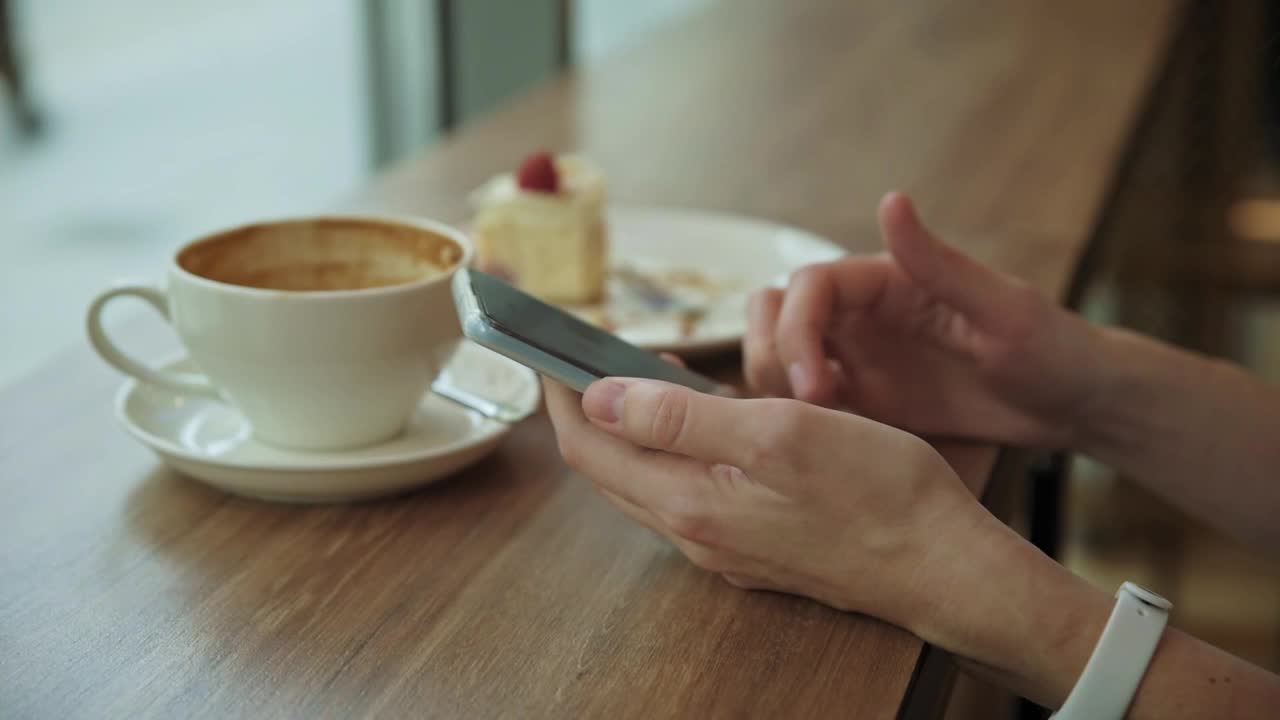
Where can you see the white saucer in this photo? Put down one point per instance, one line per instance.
(733, 254)
(209, 440)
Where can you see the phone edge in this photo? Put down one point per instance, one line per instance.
(477, 328)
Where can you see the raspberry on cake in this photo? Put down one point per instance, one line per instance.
(538, 174)
(542, 228)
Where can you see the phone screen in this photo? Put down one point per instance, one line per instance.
(557, 333)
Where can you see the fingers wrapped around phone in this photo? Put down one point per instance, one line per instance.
(694, 492)
(662, 491)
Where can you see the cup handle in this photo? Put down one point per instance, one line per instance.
(106, 347)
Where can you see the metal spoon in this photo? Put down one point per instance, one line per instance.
(447, 389)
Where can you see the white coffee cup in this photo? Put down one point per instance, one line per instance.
(324, 332)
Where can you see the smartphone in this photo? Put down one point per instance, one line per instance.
(553, 342)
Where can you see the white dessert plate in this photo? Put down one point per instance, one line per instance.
(207, 439)
(679, 279)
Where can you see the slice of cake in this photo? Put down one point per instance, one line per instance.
(543, 229)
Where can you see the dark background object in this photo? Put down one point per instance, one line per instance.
(13, 77)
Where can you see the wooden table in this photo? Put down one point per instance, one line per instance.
(513, 590)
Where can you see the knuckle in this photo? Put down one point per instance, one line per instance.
(705, 557)
(758, 355)
(668, 418)
(808, 274)
(813, 395)
(920, 466)
(689, 519)
(784, 429)
(759, 374)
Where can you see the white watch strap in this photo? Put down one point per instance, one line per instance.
(1111, 677)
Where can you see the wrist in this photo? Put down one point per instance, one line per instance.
(1108, 360)
(1073, 374)
(1138, 377)
(1005, 607)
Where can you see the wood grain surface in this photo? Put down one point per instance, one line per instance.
(512, 590)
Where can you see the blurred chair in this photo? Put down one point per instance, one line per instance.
(11, 74)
